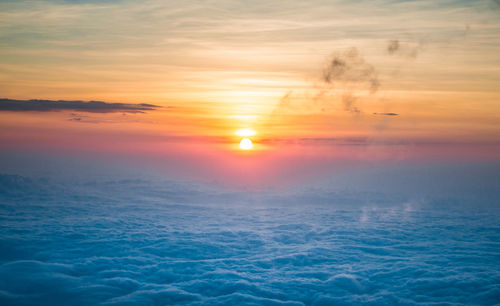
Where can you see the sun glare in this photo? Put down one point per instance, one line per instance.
(246, 144)
(245, 132)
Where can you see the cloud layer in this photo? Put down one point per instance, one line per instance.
(130, 242)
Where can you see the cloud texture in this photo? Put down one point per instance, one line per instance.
(131, 242)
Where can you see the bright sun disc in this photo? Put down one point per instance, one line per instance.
(246, 144)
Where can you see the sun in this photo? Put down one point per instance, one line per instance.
(246, 133)
(246, 144)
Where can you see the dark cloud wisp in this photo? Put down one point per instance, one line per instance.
(82, 106)
(404, 49)
(350, 68)
(345, 74)
(386, 114)
(351, 71)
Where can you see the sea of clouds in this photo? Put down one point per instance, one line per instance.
(141, 242)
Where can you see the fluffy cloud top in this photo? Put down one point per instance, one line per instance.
(129, 242)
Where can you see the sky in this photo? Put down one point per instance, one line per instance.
(324, 85)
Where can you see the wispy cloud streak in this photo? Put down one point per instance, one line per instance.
(82, 106)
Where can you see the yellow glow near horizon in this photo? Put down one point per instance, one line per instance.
(246, 132)
(246, 144)
(244, 117)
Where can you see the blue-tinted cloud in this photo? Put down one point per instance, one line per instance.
(137, 241)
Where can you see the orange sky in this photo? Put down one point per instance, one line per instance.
(319, 82)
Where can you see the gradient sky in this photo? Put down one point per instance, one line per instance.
(420, 81)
